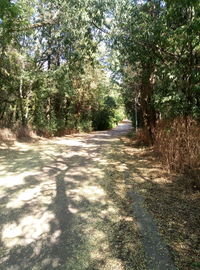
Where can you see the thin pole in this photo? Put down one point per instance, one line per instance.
(136, 115)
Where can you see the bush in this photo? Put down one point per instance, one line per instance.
(6, 134)
(102, 120)
(106, 116)
(142, 137)
(85, 126)
(178, 142)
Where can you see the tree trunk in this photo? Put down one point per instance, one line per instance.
(21, 104)
(148, 111)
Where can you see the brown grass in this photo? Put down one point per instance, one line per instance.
(175, 208)
(6, 134)
(24, 132)
(19, 132)
(178, 142)
(142, 137)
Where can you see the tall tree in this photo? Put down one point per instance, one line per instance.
(49, 62)
(158, 50)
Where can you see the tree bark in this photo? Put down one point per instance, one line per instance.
(21, 104)
(148, 111)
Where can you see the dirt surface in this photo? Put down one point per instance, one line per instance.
(156, 251)
(169, 198)
(65, 204)
(56, 212)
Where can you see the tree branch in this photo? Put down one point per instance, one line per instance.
(101, 29)
(51, 21)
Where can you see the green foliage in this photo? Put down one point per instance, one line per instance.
(106, 117)
(157, 46)
(50, 75)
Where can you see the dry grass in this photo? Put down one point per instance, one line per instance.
(178, 142)
(6, 134)
(142, 137)
(24, 132)
(17, 133)
(175, 208)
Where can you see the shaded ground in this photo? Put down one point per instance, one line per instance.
(157, 254)
(65, 205)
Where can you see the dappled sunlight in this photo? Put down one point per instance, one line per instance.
(74, 153)
(13, 179)
(61, 166)
(101, 160)
(22, 146)
(72, 142)
(121, 167)
(144, 167)
(104, 140)
(92, 193)
(23, 197)
(27, 230)
(55, 207)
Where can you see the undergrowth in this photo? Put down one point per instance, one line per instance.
(16, 133)
(178, 144)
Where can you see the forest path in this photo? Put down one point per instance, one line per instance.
(61, 208)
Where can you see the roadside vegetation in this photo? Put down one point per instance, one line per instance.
(51, 78)
(84, 65)
(170, 197)
(157, 49)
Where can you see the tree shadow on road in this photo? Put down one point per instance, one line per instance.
(44, 224)
(40, 205)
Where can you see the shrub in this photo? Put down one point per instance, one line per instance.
(85, 126)
(102, 120)
(6, 134)
(142, 137)
(106, 116)
(178, 142)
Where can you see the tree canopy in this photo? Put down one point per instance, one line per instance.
(53, 75)
(157, 44)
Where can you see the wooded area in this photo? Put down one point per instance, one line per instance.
(69, 66)
(123, 197)
(51, 77)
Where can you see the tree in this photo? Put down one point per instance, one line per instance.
(51, 72)
(158, 56)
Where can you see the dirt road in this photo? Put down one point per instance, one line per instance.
(64, 205)
(53, 206)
